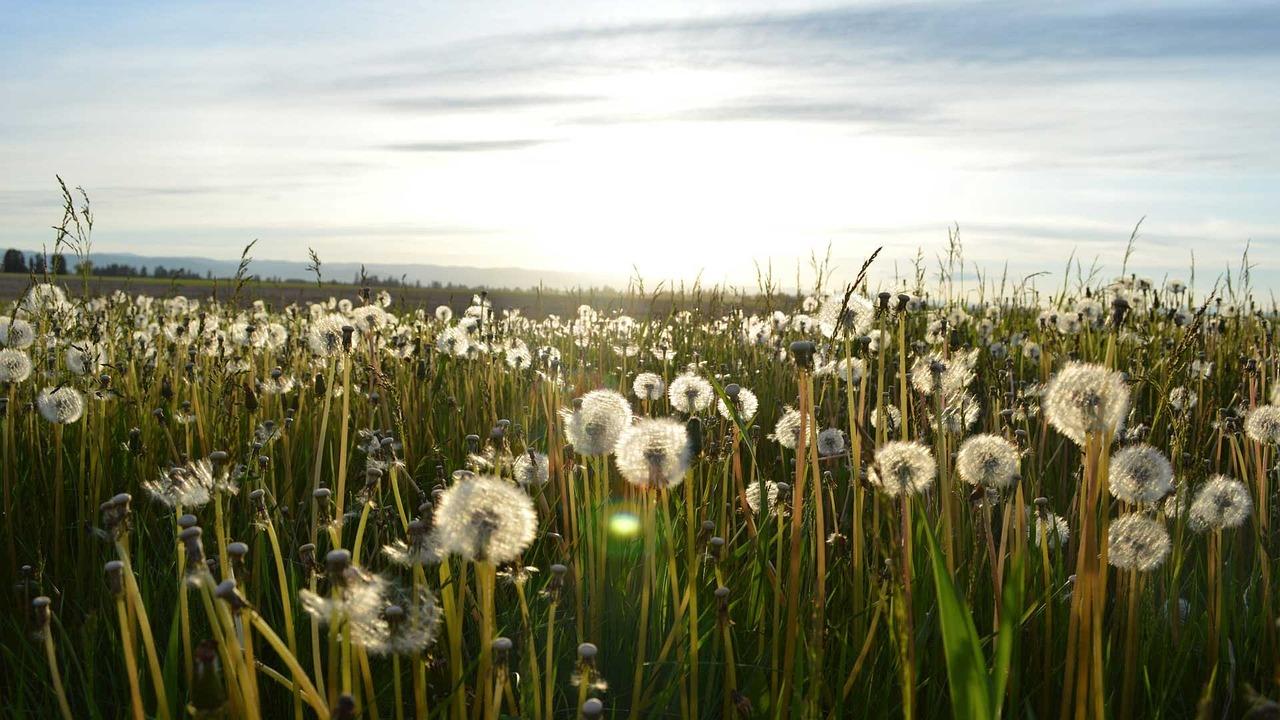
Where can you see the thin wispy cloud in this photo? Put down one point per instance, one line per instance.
(664, 136)
(465, 146)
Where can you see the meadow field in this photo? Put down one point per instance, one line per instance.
(917, 500)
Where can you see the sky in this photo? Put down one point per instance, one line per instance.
(666, 138)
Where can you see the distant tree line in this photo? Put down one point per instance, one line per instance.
(16, 261)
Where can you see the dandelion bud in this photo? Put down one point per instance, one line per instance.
(884, 298)
(587, 654)
(347, 332)
(307, 556)
(319, 385)
(40, 612)
(218, 458)
(592, 708)
(904, 302)
(337, 562)
(1119, 308)
(715, 547)
(473, 443)
(501, 648)
(322, 495)
(190, 538)
(226, 591)
(371, 477)
(114, 571)
(135, 441)
(802, 351)
(345, 709)
(731, 390)
(708, 527)
(237, 551)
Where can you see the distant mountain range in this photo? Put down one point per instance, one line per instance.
(506, 277)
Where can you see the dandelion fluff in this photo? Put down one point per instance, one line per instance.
(1262, 424)
(747, 404)
(594, 425)
(1084, 398)
(653, 453)
(1140, 474)
(988, 461)
(648, 386)
(903, 467)
(484, 518)
(15, 366)
(690, 393)
(61, 406)
(1136, 542)
(1221, 503)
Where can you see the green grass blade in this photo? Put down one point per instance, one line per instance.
(966, 666)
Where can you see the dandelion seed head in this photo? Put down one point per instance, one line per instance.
(1137, 542)
(787, 430)
(16, 333)
(484, 518)
(753, 496)
(1262, 424)
(746, 403)
(61, 405)
(594, 425)
(1084, 398)
(648, 386)
(903, 467)
(988, 461)
(1220, 504)
(653, 453)
(15, 366)
(530, 469)
(690, 393)
(830, 443)
(1140, 474)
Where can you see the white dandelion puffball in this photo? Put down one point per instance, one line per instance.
(16, 333)
(649, 386)
(594, 424)
(859, 314)
(830, 443)
(653, 453)
(746, 403)
(484, 518)
(787, 432)
(849, 370)
(61, 406)
(444, 313)
(933, 373)
(530, 469)
(1262, 424)
(903, 467)
(454, 341)
(324, 336)
(1220, 503)
(1182, 398)
(1140, 474)
(188, 487)
(360, 598)
(988, 461)
(1084, 398)
(1136, 542)
(1052, 527)
(753, 496)
(15, 366)
(690, 393)
(86, 358)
